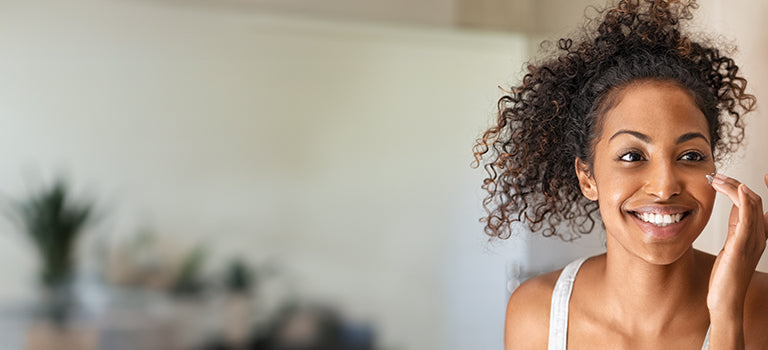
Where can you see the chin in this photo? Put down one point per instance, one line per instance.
(653, 250)
(664, 259)
(664, 254)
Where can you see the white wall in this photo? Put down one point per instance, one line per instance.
(341, 150)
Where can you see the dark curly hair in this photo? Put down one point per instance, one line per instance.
(554, 116)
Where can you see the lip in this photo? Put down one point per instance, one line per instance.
(668, 232)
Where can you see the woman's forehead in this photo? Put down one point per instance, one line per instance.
(655, 108)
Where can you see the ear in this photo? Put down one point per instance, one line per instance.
(586, 180)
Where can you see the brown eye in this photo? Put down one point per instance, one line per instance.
(631, 157)
(693, 156)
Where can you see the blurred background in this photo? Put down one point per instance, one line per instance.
(264, 174)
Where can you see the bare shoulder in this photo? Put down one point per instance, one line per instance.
(756, 312)
(527, 320)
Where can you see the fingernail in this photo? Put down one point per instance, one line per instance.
(719, 179)
(710, 178)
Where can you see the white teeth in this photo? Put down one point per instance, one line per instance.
(659, 219)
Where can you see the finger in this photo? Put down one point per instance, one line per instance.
(751, 210)
(727, 186)
(765, 216)
(751, 200)
(727, 179)
(733, 221)
(733, 186)
(744, 205)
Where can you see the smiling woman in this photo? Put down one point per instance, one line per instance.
(649, 174)
(624, 127)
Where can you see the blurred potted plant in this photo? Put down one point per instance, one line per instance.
(239, 280)
(189, 282)
(53, 222)
(190, 291)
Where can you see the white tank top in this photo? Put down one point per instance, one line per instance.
(558, 312)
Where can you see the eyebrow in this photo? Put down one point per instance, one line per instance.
(645, 138)
(691, 136)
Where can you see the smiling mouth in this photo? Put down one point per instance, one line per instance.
(660, 220)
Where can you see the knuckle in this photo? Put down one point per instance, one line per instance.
(752, 198)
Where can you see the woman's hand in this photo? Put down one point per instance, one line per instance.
(736, 262)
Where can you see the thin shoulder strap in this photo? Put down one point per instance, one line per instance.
(706, 339)
(558, 312)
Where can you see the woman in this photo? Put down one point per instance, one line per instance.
(624, 126)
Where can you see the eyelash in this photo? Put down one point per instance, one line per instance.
(621, 156)
(699, 156)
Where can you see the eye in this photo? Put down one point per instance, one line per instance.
(693, 156)
(631, 156)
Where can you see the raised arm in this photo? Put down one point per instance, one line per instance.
(735, 264)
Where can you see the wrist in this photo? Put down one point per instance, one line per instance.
(726, 330)
(726, 307)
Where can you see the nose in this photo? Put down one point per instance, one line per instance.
(663, 181)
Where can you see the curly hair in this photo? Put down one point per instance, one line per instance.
(553, 117)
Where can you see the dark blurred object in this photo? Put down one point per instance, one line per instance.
(306, 327)
(315, 327)
(239, 277)
(53, 221)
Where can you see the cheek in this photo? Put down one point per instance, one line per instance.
(613, 193)
(699, 188)
(705, 195)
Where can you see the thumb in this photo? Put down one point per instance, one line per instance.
(765, 216)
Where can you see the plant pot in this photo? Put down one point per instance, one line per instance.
(238, 319)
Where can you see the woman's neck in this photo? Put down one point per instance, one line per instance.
(648, 298)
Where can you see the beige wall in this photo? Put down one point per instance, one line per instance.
(532, 17)
(521, 16)
(419, 13)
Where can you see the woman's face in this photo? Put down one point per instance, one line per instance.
(649, 171)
